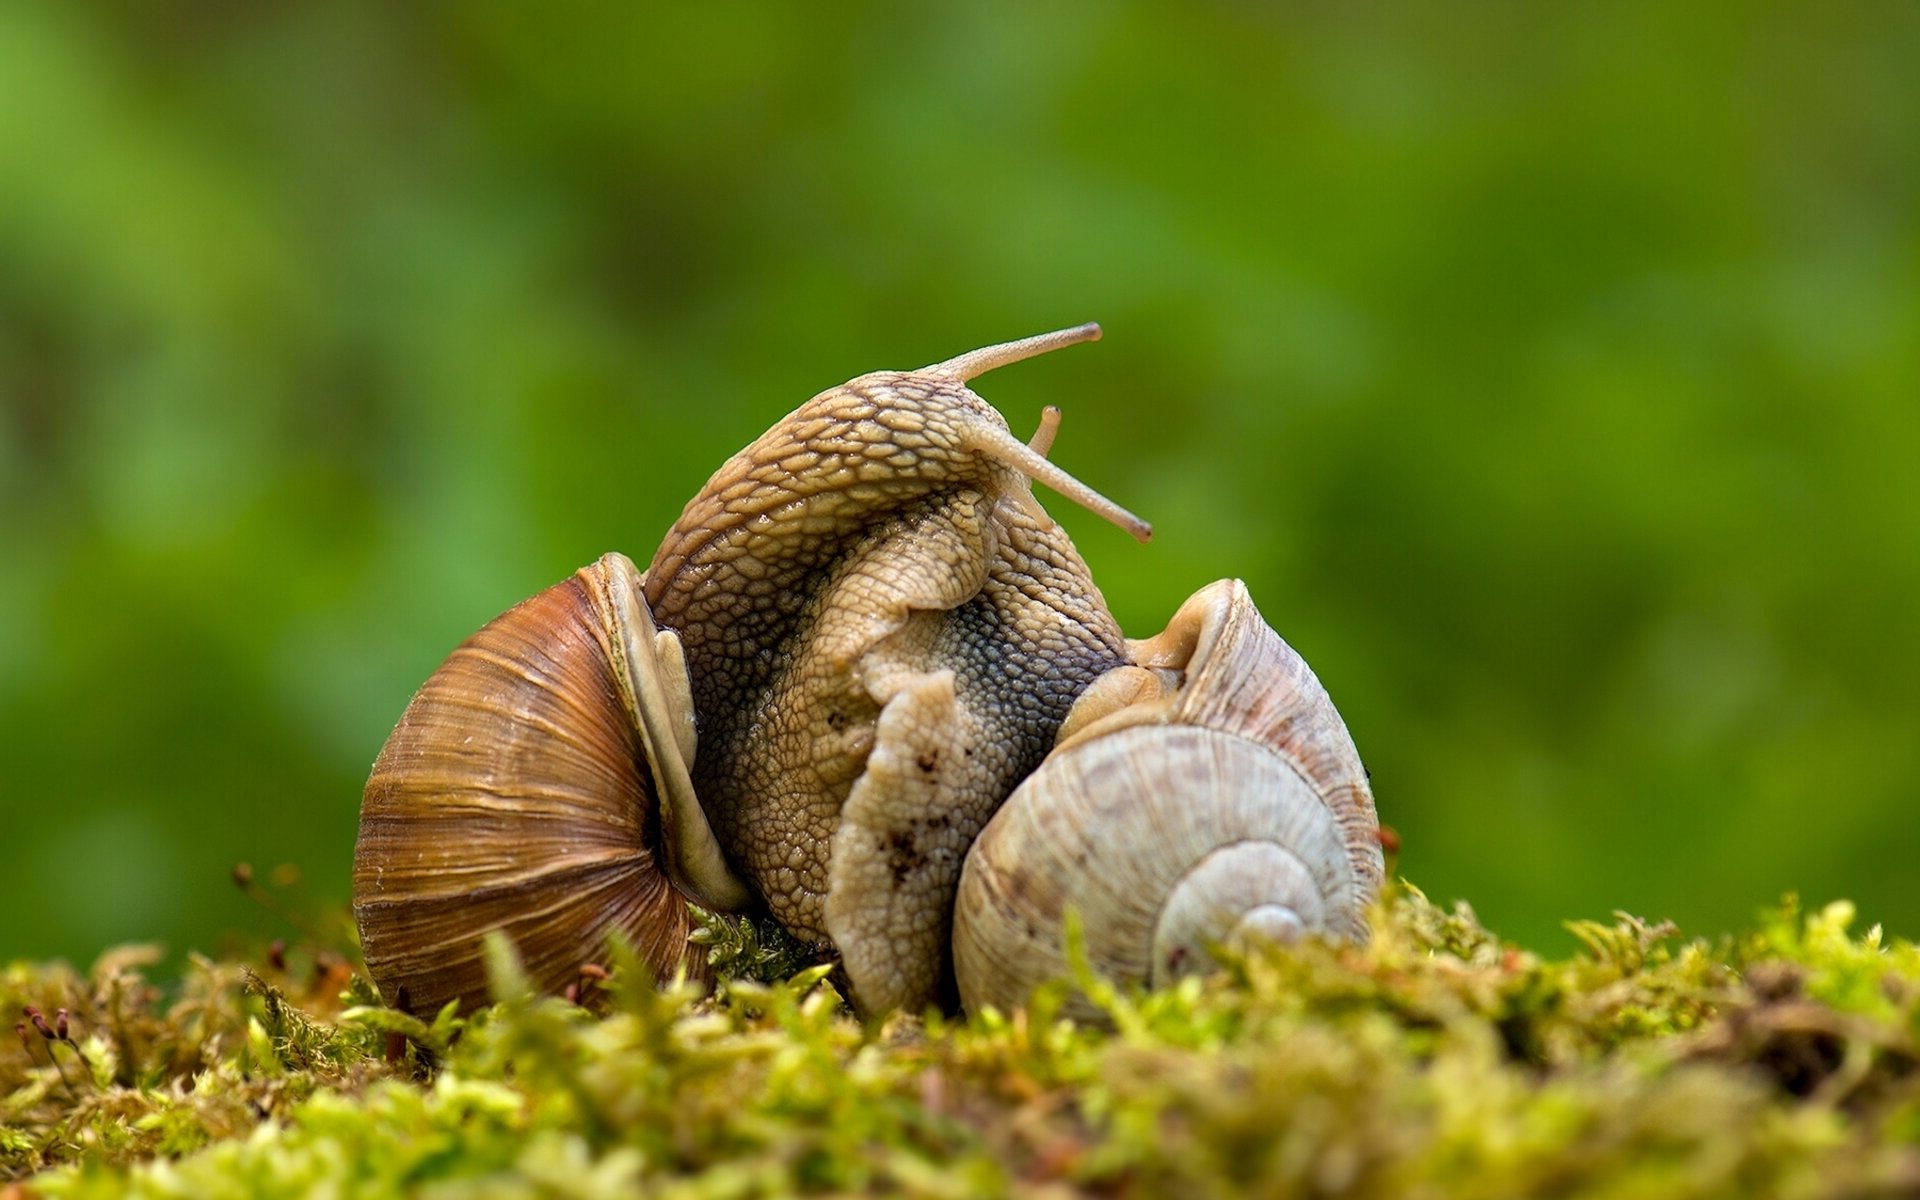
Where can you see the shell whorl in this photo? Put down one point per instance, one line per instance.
(1219, 799)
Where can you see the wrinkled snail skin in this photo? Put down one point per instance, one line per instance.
(1204, 795)
(521, 791)
(883, 631)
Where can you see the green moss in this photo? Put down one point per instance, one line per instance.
(1439, 1061)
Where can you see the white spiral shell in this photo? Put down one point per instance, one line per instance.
(1206, 794)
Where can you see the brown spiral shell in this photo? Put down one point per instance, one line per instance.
(515, 794)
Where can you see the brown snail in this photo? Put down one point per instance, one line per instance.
(877, 633)
(536, 784)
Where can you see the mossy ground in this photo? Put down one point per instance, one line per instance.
(1439, 1061)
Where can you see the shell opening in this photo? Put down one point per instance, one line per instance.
(651, 672)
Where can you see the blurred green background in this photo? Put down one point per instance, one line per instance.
(1551, 373)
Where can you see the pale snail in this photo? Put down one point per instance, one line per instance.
(858, 639)
(1218, 748)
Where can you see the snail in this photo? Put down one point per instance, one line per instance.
(1206, 794)
(537, 784)
(858, 639)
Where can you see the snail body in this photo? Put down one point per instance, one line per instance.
(878, 634)
(883, 630)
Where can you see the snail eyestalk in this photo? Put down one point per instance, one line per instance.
(975, 363)
(1030, 458)
(1002, 447)
(1042, 440)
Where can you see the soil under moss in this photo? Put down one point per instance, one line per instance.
(1439, 1061)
